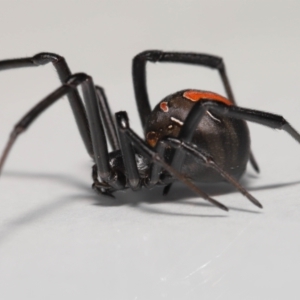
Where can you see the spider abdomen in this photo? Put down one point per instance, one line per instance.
(225, 139)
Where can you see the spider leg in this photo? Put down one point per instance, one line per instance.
(187, 131)
(260, 117)
(100, 151)
(139, 73)
(218, 109)
(206, 60)
(64, 72)
(199, 109)
(128, 154)
(209, 161)
(28, 118)
(156, 169)
(100, 187)
(256, 116)
(107, 119)
(157, 159)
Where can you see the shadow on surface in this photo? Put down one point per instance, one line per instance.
(60, 178)
(179, 194)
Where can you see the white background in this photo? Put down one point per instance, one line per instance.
(58, 240)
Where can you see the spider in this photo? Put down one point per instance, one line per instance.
(190, 136)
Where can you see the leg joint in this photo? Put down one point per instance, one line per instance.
(149, 55)
(45, 57)
(76, 79)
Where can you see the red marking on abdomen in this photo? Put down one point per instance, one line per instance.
(164, 106)
(196, 96)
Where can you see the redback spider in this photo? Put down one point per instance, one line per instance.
(190, 136)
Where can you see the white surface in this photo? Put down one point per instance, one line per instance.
(58, 240)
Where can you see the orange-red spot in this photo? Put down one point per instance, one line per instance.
(196, 96)
(164, 106)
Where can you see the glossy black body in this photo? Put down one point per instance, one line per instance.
(204, 140)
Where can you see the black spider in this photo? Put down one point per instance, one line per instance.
(191, 135)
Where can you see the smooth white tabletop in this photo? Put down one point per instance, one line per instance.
(59, 240)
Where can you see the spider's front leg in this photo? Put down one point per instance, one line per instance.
(101, 187)
(95, 121)
(64, 73)
(75, 100)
